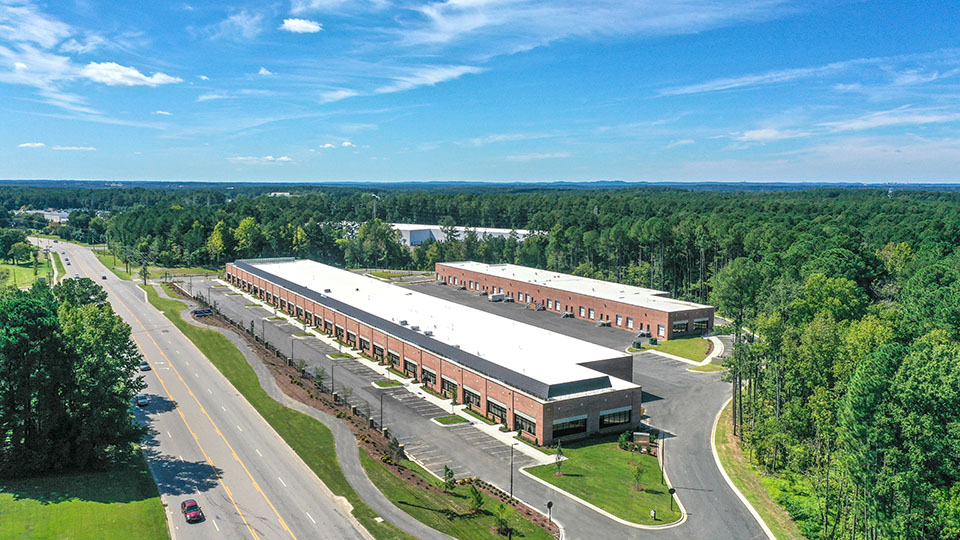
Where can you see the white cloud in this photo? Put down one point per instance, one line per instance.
(298, 7)
(89, 44)
(203, 77)
(264, 71)
(301, 26)
(113, 74)
(31, 145)
(506, 137)
(348, 144)
(758, 79)
(680, 142)
(328, 145)
(265, 160)
(239, 26)
(763, 135)
(538, 156)
(75, 148)
(428, 76)
(337, 95)
(162, 113)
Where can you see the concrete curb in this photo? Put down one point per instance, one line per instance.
(726, 477)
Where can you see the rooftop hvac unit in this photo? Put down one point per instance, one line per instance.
(403, 322)
(428, 332)
(415, 328)
(326, 291)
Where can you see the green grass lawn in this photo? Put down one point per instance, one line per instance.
(387, 275)
(398, 373)
(711, 367)
(446, 513)
(694, 348)
(110, 505)
(275, 318)
(117, 267)
(451, 419)
(386, 383)
(479, 416)
(601, 474)
(760, 490)
(309, 438)
(61, 270)
(341, 356)
(21, 275)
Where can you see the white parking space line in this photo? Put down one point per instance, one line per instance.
(240, 428)
(222, 407)
(209, 390)
(282, 482)
(258, 452)
(215, 525)
(311, 517)
(169, 436)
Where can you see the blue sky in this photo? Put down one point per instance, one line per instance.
(480, 90)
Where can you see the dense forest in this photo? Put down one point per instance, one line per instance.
(846, 306)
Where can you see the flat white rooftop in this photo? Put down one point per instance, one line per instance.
(607, 290)
(548, 357)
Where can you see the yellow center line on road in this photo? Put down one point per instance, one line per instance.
(187, 424)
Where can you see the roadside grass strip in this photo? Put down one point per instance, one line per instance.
(602, 474)
(447, 513)
(695, 348)
(112, 263)
(116, 504)
(387, 383)
(761, 491)
(308, 437)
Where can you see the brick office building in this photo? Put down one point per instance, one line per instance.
(621, 306)
(546, 385)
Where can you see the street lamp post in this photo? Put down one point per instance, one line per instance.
(381, 410)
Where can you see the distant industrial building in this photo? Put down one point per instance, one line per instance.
(634, 309)
(546, 385)
(414, 235)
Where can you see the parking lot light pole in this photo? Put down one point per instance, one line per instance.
(381, 410)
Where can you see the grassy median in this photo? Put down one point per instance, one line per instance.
(61, 270)
(695, 348)
(759, 490)
(602, 474)
(107, 505)
(447, 513)
(308, 437)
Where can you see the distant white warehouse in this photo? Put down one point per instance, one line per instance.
(414, 234)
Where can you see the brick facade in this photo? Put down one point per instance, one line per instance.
(379, 345)
(632, 318)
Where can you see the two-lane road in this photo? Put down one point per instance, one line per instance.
(208, 443)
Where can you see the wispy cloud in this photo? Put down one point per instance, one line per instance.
(239, 26)
(348, 144)
(210, 96)
(75, 148)
(679, 142)
(538, 156)
(327, 145)
(301, 26)
(265, 160)
(764, 135)
(162, 113)
(428, 76)
(900, 116)
(505, 137)
(759, 79)
(31, 145)
(264, 71)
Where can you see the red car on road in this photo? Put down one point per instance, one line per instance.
(191, 511)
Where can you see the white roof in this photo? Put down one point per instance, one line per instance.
(607, 290)
(546, 356)
(481, 231)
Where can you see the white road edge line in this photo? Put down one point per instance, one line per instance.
(716, 457)
(311, 517)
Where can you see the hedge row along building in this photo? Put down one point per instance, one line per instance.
(634, 309)
(546, 385)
